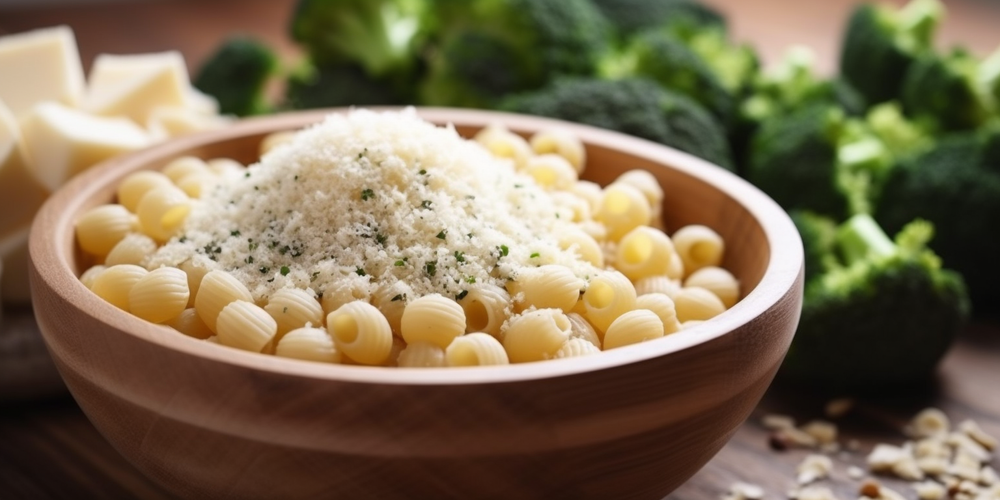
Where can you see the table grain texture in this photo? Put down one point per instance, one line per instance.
(49, 450)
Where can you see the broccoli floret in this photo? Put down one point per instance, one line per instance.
(734, 65)
(881, 42)
(819, 238)
(340, 85)
(668, 60)
(382, 36)
(487, 49)
(882, 318)
(237, 74)
(631, 16)
(946, 90)
(956, 186)
(633, 106)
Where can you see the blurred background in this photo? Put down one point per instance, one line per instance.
(195, 27)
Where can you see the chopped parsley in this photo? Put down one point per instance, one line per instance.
(360, 272)
(461, 295)
(443, 234)
(366, 194)
(431, 267)
(459, 256)
(285, 270)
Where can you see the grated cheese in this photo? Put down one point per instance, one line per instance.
(368, 199)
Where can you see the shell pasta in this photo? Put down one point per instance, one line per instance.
(422, 276)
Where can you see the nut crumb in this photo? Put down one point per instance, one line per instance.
(823, 432)
(972, 429)
(929, 422)
(814, 493)
(884, 457)
(837, 408)
(744, 491)
(814, 468)
(929, 490)
(870, 488)
(855, 472)
(777, 422)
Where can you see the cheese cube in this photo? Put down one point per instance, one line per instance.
(14, 288)
(20, 191)
(62, 142)
(132, 85)
(167, 121)
(40, 65)
(202, 103)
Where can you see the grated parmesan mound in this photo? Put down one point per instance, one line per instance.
(370, 198)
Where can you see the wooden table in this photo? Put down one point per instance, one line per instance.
(48, 449)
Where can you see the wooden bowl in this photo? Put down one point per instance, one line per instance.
(206, 421)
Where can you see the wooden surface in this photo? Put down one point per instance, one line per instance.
(48, 449)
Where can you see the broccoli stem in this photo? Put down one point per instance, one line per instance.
(988, 79)
(378, 33)
(918, 20)
(861, 238)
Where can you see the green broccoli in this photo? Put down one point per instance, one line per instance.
(881, 42)
(948, 91)
(340, 85)
(956, 186)
(633, 106)
(881, 316)
(382, 36)
(632, 16)
(820, 236)
(237, 74)
(486, 49)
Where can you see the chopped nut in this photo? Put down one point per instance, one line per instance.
(830, 448)
(787, 438)
(823, 432)
(744, 491)
(934, 466)
(907, 468)
(778, 422)
(972, 429)
(931, 447)
(870, 488)
(966, 444)
(777, 442)
(988, 476)
(854, 472)
(815, 493)
(890, 494)
(929, 422)
(884, 457)
(837, 408)
(968, 487)
(813, 468)
(929, 490)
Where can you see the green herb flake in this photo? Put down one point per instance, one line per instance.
(235, 232)
(249, 259)
(431, 267)
(425, 204)
(535, 255)
(360, 272)
(285, 270)
(400, 263)
(459, 256)
(314, 276)
(397, 298)
(470, 280)
(443, 234)
(264, 269)
(461, 295)
(366, 194)
(422, 172)
(504, 250)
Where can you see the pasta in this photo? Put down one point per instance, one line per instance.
(663, 306)
(217, 290)
(245, 325)
(583, 244)
(544, 287)
(504, 144)
(718, 281)
(695, 303)
(698, 246)
(475, 349)
(622, 209)
(581, 329)
(360, 332)
(88, 276)
(609, 295)
(590, 191)
(646, 183)
(115, 284)
(189, 323)
(536, 335)
(633, 327)
(308, 343)
(225, 166)
(197, 184)
(183, 167)
(101, 228)
(135, 186)
(643, 252)
(432, 318)
(391, 300)
(575, 348)
(195, 273)
(294, 308)
(421, 355)
(562, 143)
(551, 171)
(486, 307)
(162, 210)
(160, 295)
(274, 140)
(657, 284)
(132, 249)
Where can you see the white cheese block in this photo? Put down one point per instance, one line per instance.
(202, 102)
(14, 287)
(132, 85)
(62, 142)
(40, 65)
(169, 121)
(20, 192)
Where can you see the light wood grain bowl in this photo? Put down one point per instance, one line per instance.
(206, 421)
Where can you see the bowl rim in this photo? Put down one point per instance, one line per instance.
(52, 236)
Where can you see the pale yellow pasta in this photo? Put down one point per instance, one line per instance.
(486, 307)
(214, 339)
(633, 327)
(135, 186)
(675, 270)
(503, 143)
(343, 292)
(189, 323)
(546, 287)
(245, 325)
(198, 184)
(132, 249)
(691, 323)
(551, 172)
(536, 335)
(195, 273)
(398, 344)
(432, 318)
(225, 166)
(595, 229)
(294, 308)
(643, 252)
(361, 332)
(421, 355)
(308, 343)
(101, 228)
(162, 211)
(699, 246)
(590, 191)
(217, 290)
(182, 167)
(160, 295)
(391, 300)
(574, 348)
(562, 143)
(718, 281)
(274, 140)
(116, 282)
(577, 207)
(645, 182)
(622, 209)
(663, 307)
(88, 276)
(582, 244)
(657, 284)
(697, 303)
(475, 349)
(609, 295)
(580, 328)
